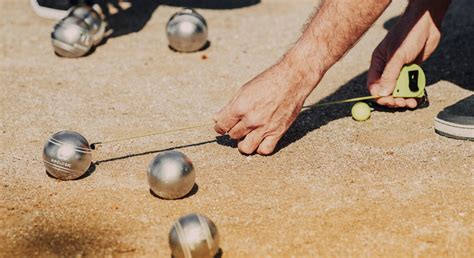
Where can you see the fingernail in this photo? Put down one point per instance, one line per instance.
(384, 92)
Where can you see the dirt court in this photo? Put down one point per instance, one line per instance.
(386, 187)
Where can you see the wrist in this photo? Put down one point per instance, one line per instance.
(302, 70)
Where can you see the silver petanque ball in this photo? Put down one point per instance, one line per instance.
(171, 175)
(195, 236)
(93, 19)
(71, 37)
(186, 31)
(67, 155)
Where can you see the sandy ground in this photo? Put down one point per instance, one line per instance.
(386, 187)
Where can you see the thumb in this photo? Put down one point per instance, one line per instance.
(377, 65)
(390, 75)
(383, 72)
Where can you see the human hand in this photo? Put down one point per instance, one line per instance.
(265, 107)
(413, 39)
(263, 110)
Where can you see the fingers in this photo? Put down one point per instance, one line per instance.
(411, 103)
(386, 101)
(268, 145)
(260, 141)
(400, 102)
(239, 131)
(222, 126)
(382, 78)
(405, 103)
(397, 102)
(251, 142)
(390, 75)
(224, 121)
(377, 65)
(255, 139)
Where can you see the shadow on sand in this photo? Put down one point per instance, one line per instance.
(131, 155)
(134, 18)
(453, 61)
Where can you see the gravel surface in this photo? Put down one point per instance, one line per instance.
(386, 187)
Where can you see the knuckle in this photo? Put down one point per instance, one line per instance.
(276, 129)
(252, 121)
(436, 35)
(239, 108)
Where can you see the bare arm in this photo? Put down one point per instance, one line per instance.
(265, 107)
(332, 31)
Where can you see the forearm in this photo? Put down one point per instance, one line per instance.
(332, 31)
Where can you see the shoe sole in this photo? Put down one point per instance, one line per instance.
(48, 12)
(452, 130)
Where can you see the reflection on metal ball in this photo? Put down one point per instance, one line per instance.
(171, 175)
(93, 19)
(75, 35)
(195, 236)
(71, 37)
(66, 155)
(187, 31)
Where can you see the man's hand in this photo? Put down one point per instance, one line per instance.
(265, 107)
(263, 110)
(413, 39)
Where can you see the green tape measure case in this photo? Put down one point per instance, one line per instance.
(410, 83)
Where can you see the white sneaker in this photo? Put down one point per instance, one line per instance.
(457, 120)
(53, 9)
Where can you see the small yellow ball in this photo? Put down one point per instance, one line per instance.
(360, 111)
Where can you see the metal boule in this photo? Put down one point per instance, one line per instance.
(171, 175)
(187, 31)
(194, 236)
(71, 37)
(67, 155)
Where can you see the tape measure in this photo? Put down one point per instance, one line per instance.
(410, 83)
